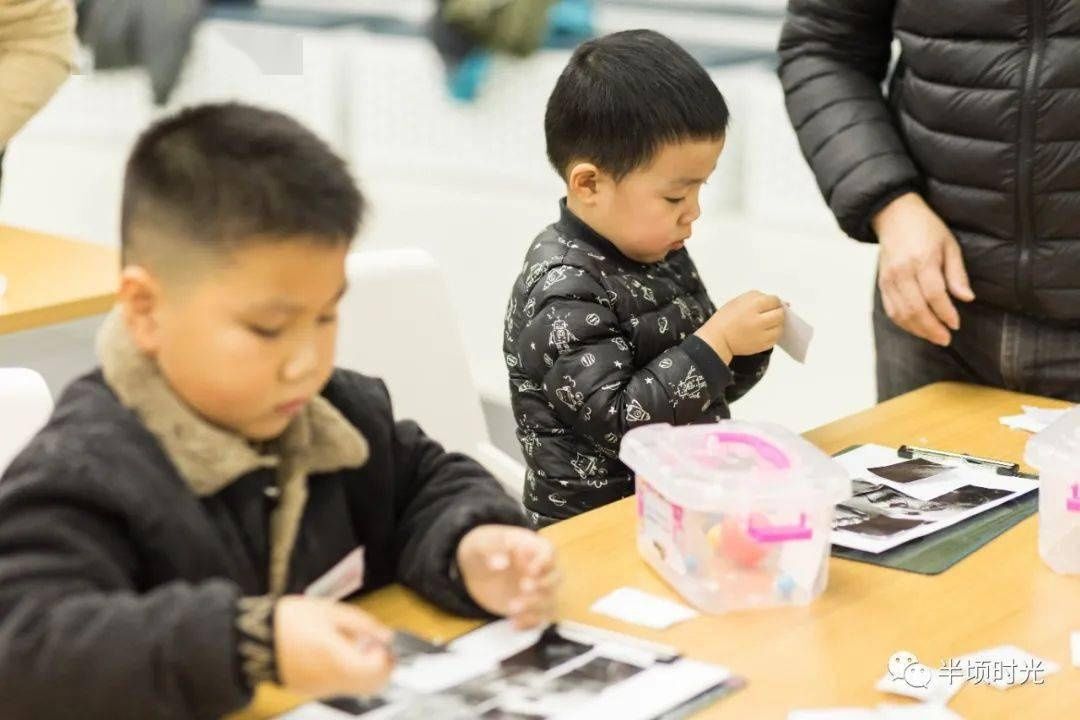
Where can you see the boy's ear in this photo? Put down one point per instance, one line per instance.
(140, 305)
(584, 182)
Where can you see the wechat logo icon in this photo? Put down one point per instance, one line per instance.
(904, 666)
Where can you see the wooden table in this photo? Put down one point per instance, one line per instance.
(831, 653)
(53, 280)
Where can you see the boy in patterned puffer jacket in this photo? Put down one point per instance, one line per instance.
(609, 326)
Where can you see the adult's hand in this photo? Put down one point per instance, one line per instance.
(920, 269)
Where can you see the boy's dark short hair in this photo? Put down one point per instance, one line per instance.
(623, 96)
(211, 176)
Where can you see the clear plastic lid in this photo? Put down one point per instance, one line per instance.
(733, 464)
(1058, 444)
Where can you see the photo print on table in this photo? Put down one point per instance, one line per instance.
(910, 470)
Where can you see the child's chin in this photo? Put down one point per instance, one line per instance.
(266, 430)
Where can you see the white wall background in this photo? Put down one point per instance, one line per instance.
(470, 184)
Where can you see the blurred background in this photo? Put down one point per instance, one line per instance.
(435, 151)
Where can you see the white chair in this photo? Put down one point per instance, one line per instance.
(25, 406)
(397, 322)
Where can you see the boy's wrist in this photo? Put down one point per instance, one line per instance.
(256, 647)
(719, 346)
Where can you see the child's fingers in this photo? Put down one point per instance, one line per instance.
(534, 554)
(549, 580)
(530, 601)
(356, 624)
(533, 615)
(364, 669)
(772, 318)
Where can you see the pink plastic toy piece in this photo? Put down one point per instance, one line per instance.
(780, 533)
(1073, 503)
(729, 540)
(769, 452)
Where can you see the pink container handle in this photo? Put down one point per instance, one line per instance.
(1073, 503)
(780, 533)
(772, 454)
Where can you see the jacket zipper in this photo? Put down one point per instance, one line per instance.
(1026, 155)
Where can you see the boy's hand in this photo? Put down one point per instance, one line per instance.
(329, 648)
(510, 571)
(747, 325)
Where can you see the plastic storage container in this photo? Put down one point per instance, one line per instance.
(1056, 453)
(735, 515)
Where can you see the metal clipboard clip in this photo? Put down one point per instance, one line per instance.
(998, 466)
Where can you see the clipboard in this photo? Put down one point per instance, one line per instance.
(936, 553)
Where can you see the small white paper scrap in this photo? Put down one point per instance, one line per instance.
(342, 580)
(640, 608)
(1034, 419)
(796, 336)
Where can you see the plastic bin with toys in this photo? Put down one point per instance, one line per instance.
(734, 515)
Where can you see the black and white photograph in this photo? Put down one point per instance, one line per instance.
(407, 647)
(564, 692)
(601, 672)
(845, 516)
(498, 682)
(860, 486)
(882, 511)
(525, 686)
(871, 524)
(497, 714)
(910, 470)
(971, 496)
(355, 705)
(550, 651)
(886, 501)
(522, 671)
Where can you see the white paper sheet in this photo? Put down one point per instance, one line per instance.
(796, 336)
(641, 608)
(1033, 419)
(931, 487)
(559, 681)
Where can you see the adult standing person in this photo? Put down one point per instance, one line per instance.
(966, 171)
(37, 51)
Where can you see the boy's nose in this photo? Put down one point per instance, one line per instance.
(302, 363)
(692, 214)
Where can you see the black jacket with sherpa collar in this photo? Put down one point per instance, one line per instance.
(130, 550)
(597, 344)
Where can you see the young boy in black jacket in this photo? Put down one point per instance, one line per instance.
(156, 536)
(609, 325)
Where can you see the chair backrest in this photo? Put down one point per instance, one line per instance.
(398, 323)
(25, 406)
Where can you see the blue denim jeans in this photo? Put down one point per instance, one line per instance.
(993, 347)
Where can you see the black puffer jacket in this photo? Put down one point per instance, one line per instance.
(597, 344)
(983, 119)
